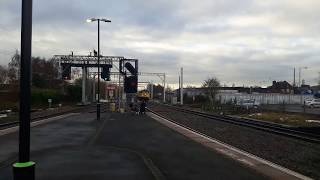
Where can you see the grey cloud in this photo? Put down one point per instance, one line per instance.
(243, 41)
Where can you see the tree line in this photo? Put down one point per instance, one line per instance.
(45, 83)
(44, 72)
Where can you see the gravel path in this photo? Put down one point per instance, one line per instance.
(296, 155)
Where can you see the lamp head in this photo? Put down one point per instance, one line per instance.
(91, 20)
(106, 20)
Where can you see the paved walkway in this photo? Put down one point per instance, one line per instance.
(121, 146)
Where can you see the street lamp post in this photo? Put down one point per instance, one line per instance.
(300, 68)
(24, 168)
(98, 100)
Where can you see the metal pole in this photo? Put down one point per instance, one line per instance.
(151, 89)
(59, 69)
(181, 91)
(299, 76)
(294, 77)
(98, 102)
(164, 88)
(119, 92)
(25, 169)
(84, 75)
(178, 94)
(94, 88)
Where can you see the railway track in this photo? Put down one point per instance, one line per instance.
(258, 125)
(44, 116)
(290, 148)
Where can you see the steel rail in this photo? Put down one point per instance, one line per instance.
(259, 125)
(40, 117)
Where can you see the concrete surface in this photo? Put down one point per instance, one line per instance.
(120, 146)
(263, 166)
(176, 156)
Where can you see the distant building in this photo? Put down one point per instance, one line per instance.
(282, 87)
(305, 89)
(223, 90)
(192, 91)
(315, 89)
(157, 91)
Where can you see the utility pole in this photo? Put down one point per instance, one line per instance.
(98, 102)
(181, 86)
(24, 168)
(84, 79)
(164, 88)
(300, 68)
(299, 77)
(294, 77)
(151, 90)
(178, 94)
(94, 89)
(119, 97)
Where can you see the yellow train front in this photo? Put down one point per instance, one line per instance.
(143, 95)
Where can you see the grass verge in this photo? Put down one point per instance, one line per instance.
(291, 119)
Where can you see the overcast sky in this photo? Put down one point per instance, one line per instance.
(249, 42)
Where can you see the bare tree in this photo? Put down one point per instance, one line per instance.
(44, 73)
(190, 86)
(212, 88)
(169, 89)
(14, 68)
(3, 74)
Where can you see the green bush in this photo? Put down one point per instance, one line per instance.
(73, 93)
(41, 96)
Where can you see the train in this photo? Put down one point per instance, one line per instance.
(143, 95)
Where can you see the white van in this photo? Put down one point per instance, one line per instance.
(313, 103)
(248, 103)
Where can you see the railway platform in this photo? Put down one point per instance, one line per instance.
(119, 146)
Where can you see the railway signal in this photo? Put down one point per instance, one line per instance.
(130, 68)
(105, 74)
(66, 72)
(131, 84)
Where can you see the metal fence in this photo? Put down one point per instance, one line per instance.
(264, 98)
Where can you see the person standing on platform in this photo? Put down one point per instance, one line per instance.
(136, 108)
(143, 107)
